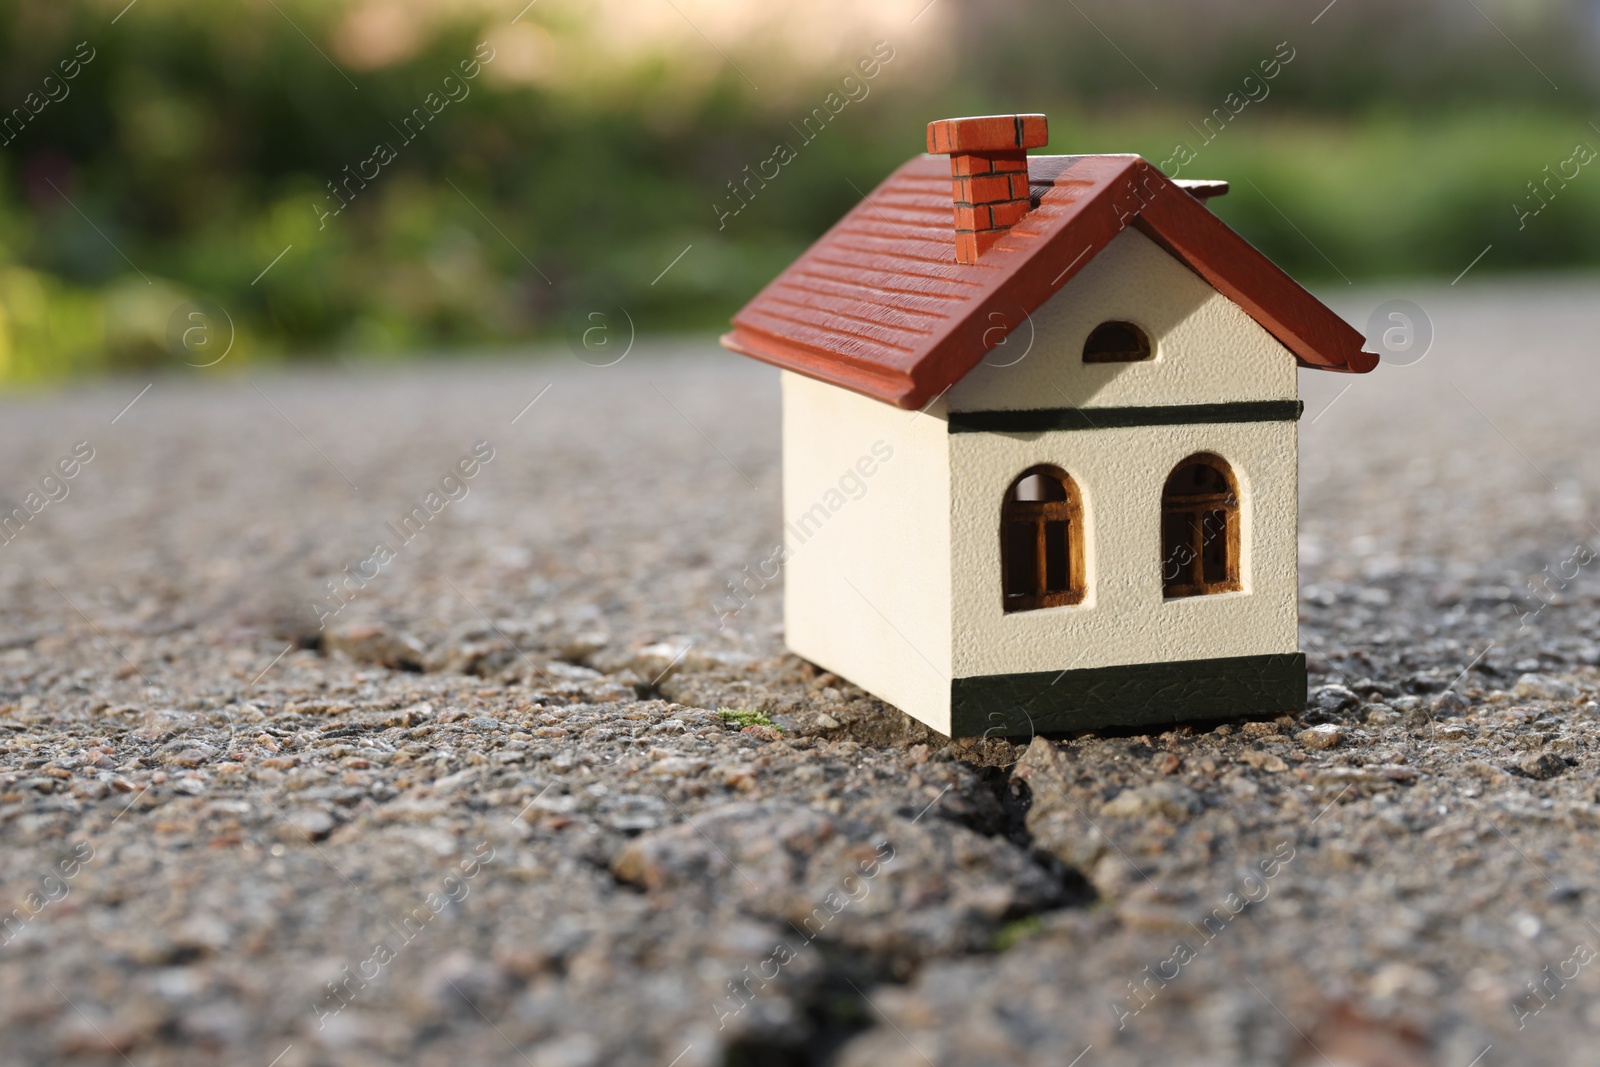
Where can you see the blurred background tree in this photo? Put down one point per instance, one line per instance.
(191, 154)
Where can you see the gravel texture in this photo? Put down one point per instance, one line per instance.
(521, 799)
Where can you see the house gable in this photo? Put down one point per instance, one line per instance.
(1206, 349)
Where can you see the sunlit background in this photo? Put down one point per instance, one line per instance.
(169, 151)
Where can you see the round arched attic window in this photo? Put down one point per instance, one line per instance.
(1116, 342)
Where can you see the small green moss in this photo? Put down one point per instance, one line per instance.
(1011, 933)
(742, 717)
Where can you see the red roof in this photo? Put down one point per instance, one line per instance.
(880, 305)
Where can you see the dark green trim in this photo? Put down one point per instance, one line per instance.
(1141, 694)
(1042, 419)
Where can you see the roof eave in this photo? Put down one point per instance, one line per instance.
(830, 367)
(1319, 339)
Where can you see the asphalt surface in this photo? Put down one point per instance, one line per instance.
(286, 782)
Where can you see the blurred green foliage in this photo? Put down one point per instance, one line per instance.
(198, 144)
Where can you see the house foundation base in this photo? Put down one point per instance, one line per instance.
(1140, 694)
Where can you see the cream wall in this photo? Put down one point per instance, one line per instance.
(1207, 349)
(1124, 619)
(867, 596)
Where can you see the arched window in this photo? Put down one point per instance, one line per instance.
(1116, 342)
(1041, 541)
(1200, 528)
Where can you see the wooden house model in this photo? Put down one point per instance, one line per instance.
(1040, 442)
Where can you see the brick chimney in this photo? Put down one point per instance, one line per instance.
(989, 172)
